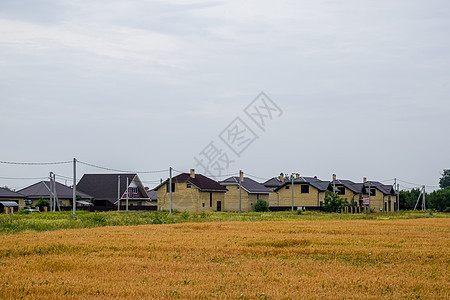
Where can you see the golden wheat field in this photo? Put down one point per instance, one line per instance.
(233, 260)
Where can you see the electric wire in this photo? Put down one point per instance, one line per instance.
(23, 178)
(120, 171)
(35, 163)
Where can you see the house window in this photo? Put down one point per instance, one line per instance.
(287, 187)
(257, 196)
(203, 204)
(340, 190)
(139, 203)
(237, 187)
(373, 192)
(210, 199)
(188, 185)
(133, 192)
(304, 189)
(173, 187)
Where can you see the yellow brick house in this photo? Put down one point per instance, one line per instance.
(191, 192)
(273, 184)
(379, 197)
(307, 192)
(251, 191)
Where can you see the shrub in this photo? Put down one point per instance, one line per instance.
(333, 203)
(261, 206)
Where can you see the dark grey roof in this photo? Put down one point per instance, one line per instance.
(4, 193)
(251, 186)
(385, 189)
(274, 182)
(354, 187)
(105, 186)
(153, 195)
(313, 181)
(42, 189)
(202, 182)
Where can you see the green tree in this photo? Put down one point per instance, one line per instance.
(333, 203)
(445, 179)
(407, 199)
(261, 206)
(43, 203)
(439, 200)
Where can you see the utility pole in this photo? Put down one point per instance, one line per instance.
(128, 191)
(170, 189)
(423, 199)
(422, 193)
(51, 191)
(334, 183)
(240, 188)
(292, 191)
(118, 193)
(55, 195)
(74, 187)
(397, 191)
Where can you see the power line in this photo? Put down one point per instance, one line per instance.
(120, 171)
(409, 182)
(23, 178)
(265, 179)
(35, 163)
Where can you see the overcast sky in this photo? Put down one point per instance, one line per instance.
(362, 87)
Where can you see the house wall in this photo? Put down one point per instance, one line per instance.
(273, 198)
(349, 195)
(377, 202)
(247, 200)
(232, 199)
(188, 199)
(312, 198)
(253, 198)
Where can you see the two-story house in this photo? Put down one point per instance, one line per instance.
(191, 192)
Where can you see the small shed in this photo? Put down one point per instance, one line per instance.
(5, 206)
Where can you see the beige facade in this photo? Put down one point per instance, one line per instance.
(381, 202)
(305, 195)
(187, 197)
(248, 200)
(349, 195)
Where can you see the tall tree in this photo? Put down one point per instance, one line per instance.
(445, 179)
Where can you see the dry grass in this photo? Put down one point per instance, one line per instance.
(271, 260)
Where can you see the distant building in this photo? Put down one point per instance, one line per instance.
(10, 199)
(191, 192)
(251, 192)
(64, 193)
(107, 189)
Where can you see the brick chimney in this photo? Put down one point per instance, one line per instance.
(281, 177)
(192, 173)
(364, 179)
